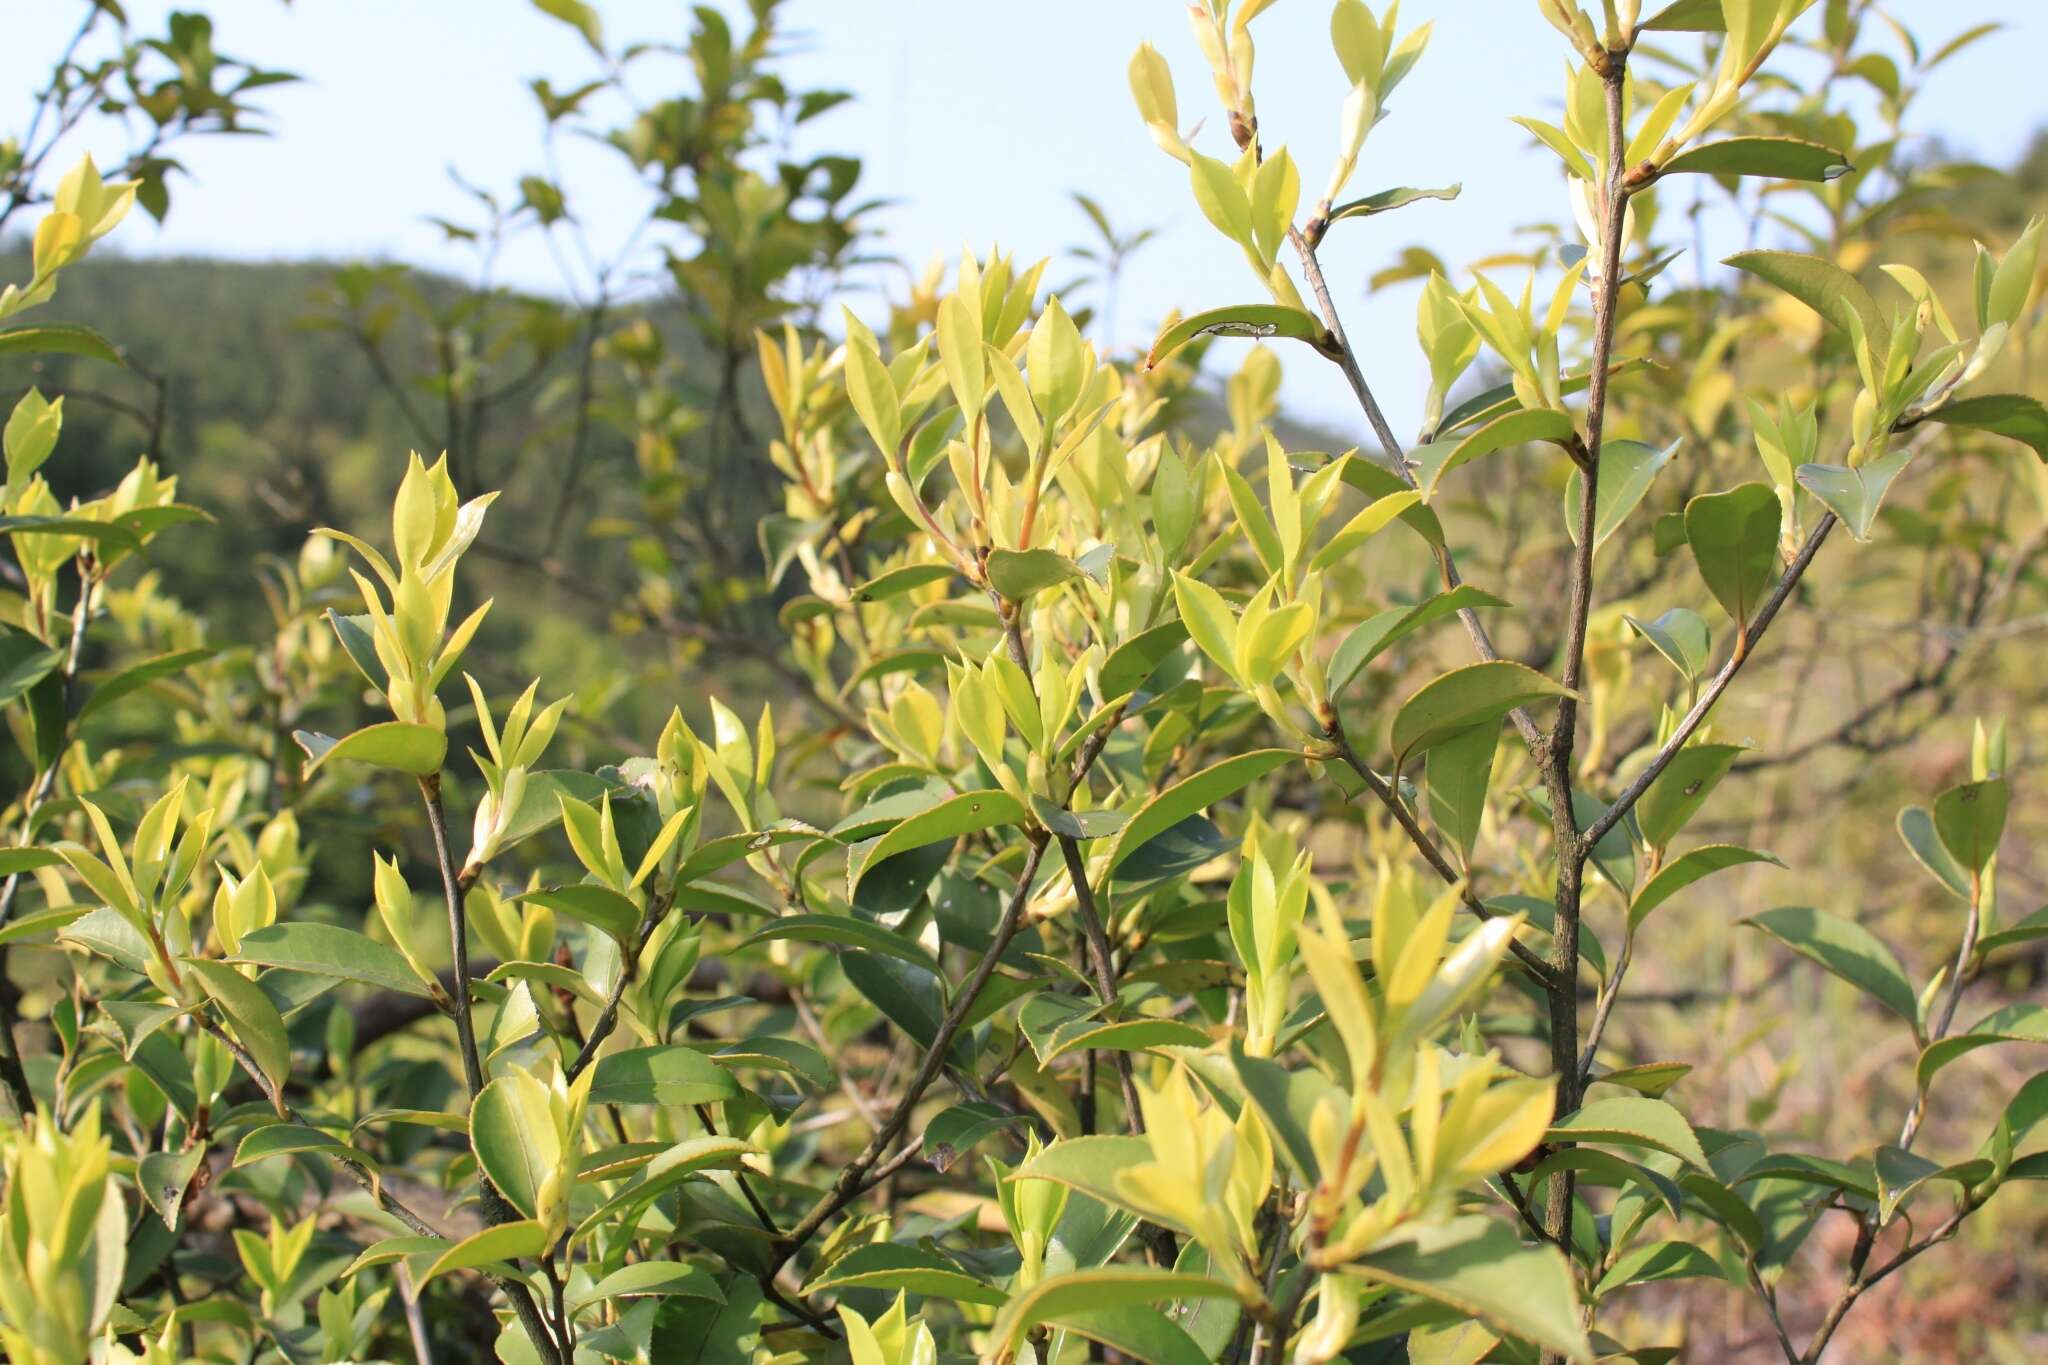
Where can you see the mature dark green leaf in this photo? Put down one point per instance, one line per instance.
(1824, 287)
(1525, 427)
(1385, 201)
(1194, 794)
(1627, 469)
(1778, 158)
(893, 1267)
(1019, 574)
(1687, 868)
(1464, 697)
(664, 1075)
(1260, 320)
(1847, 949)
(2003, 414)
(1734, 538)
(1854, 493)
(1632, 1121)
(1379, 633)
(1682, 788)
(59, 338)
(415, 749)
(1681, 636)
(329, 950)
(1480, 1268)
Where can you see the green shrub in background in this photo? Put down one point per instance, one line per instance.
(1128, 941)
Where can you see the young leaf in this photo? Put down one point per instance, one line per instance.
(1854, 493)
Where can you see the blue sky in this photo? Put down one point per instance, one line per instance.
(976, 118)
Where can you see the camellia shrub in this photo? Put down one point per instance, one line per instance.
(1136, 943)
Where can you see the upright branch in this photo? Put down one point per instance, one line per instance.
(1554, 756)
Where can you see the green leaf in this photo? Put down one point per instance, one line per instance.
(1089, 1291)
(257, 1024)
(1970, 819)
(1632, 1121)
(59, 338)
(1287, 1100)
(1388, 200)
(648, 1279)
(1659, 1261)
(1734, 538)
(888, 1266)
(394, 1249)
(1627, 469)
(898, 581)
(503, 1244)
(1824, 287)
(1018, 574)
(1377, 481)
(943, 823)
(1680, 635)
(415, 749)
(1455, 778)
(329, 950)
(1847, 949)
(360, 646)
(1128, 1035)
(665, 1075)
(1779, 158)
(514, 1137)
(1899, 1173)
(1261, 320)
(2034, 926)
(953, 1133)
(18, 860)
(600, 907)
(2021, 1023)
(95, 531)
(163, 1178)
(1854, 494)
(681, 1162)
(1687, 868)
(24, 662)
(1688, 16)
(2003, 414)
(1137, 1332)
(293, 1139)
(846, 931)
(1916, 828)
(1528, 425)
(1461, 699)
(1682, 788)
(1089, 1165)
(1193, 794)
(139, 676)
(1479, 1268)
(1379, 633)
(1135, 660)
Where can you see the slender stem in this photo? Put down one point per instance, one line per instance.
(1694, 718)
(415, 1321)
(629, 967)
(1555, 756)
(850, 1183)
(1347, 360)
(1609, 993)
(494, 1206)
(458, 932)
(1103, 968)
(1333, 730)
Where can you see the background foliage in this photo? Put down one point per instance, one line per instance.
(1076, 955)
